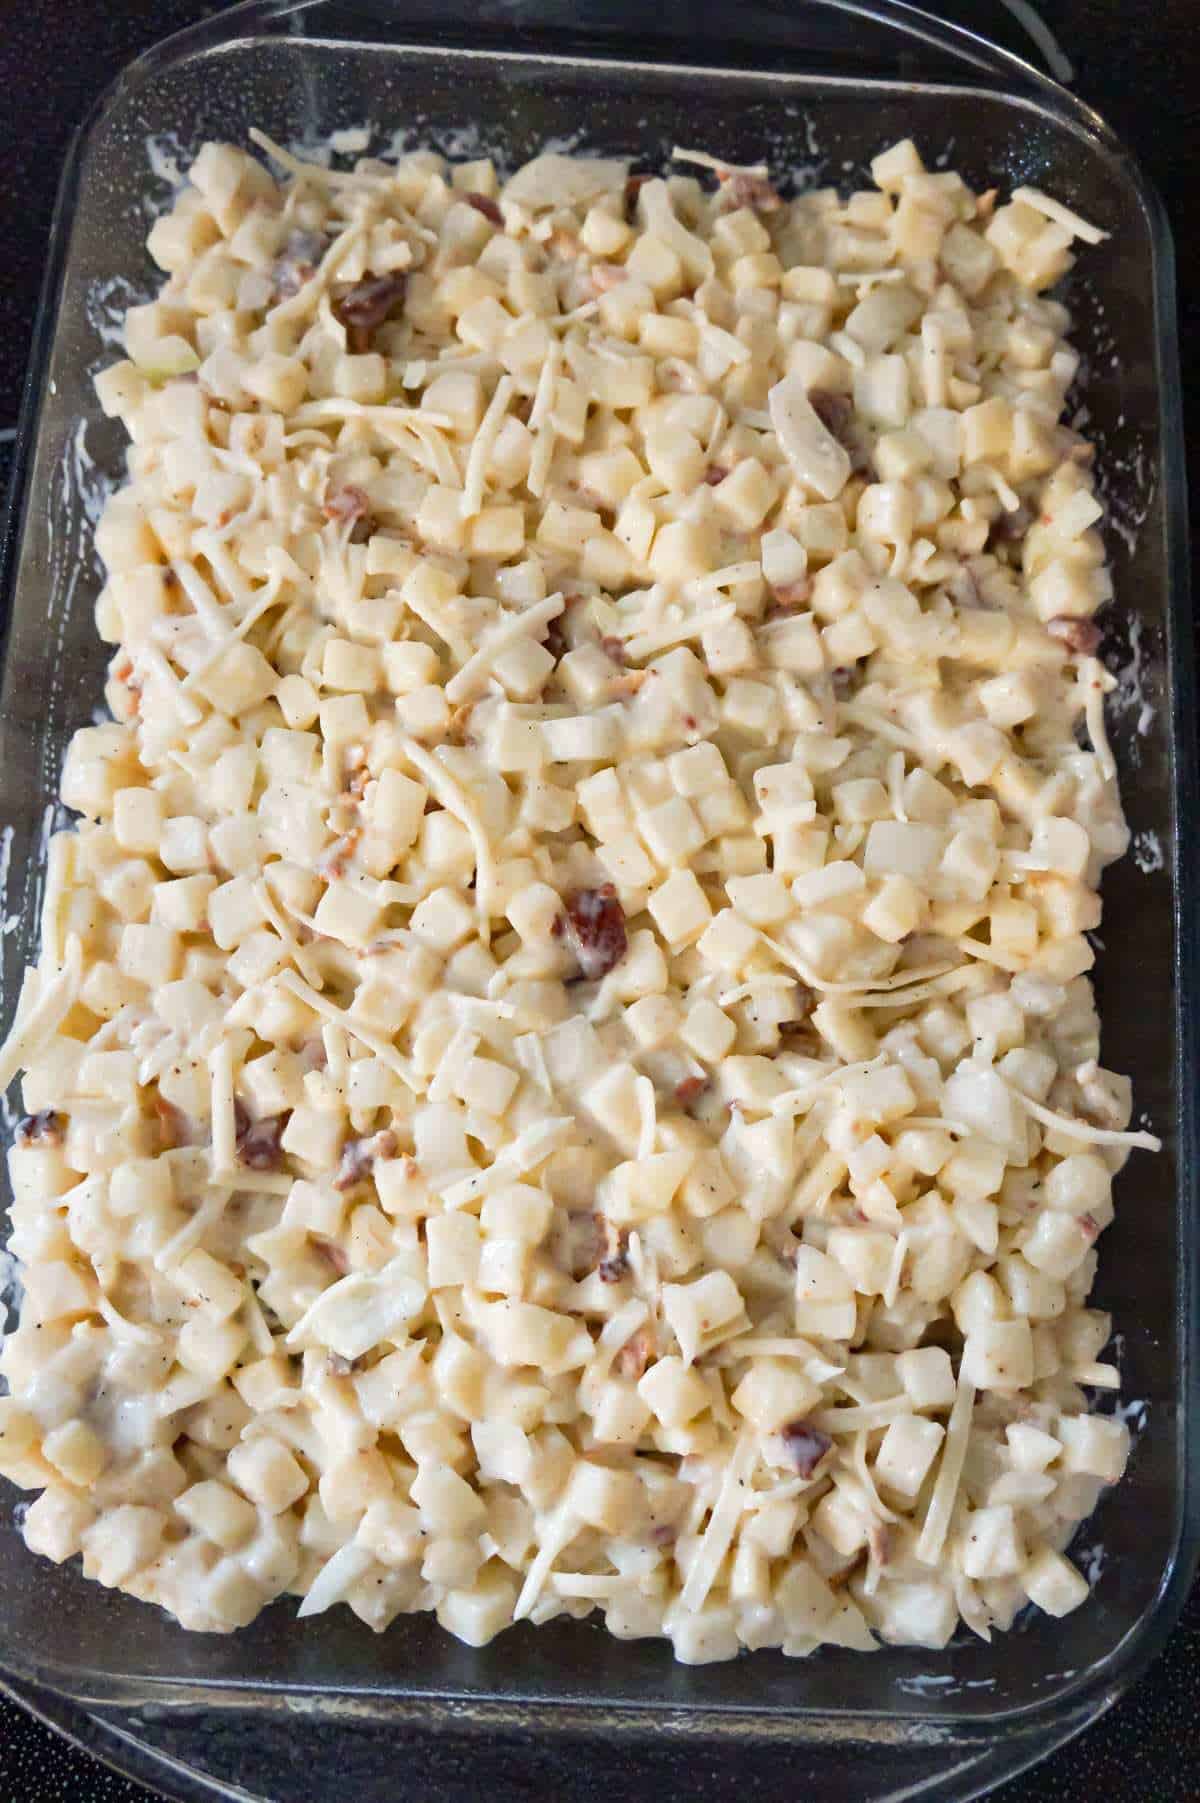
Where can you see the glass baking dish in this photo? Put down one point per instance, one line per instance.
(818, 90)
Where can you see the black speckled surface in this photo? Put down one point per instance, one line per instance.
(1139, 64)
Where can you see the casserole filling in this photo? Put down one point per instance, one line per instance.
(562, 1073)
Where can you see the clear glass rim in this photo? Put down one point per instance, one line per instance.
(976, 1764)
(1032, 1729)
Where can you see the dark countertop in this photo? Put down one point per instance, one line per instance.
(1140, 67)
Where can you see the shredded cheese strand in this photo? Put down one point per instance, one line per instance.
(722, 1525)
(1083, 1130)
(945, 1490)
(482, 446)
(385, 1052)
(450, 793)
(54, 1002)
(468, 681)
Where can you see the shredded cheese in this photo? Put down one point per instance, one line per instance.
(647, 1109)
(224, 1147)
(194, 1230)
(1084, 1130)
(647, 644)
(458, 905)
(32, 1028)
(722, 1524)
(266, 600)
(380, 1047)
(452, 796)
(482, 446)
(945, 1490)
(703, 160)
(307, 966)
(1064, 216)
(560, 1529)
(470, 679)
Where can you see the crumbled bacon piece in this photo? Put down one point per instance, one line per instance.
(483, 203)
(1008, 528)
(615, 1268)
(612, 1264)
(595, 924)
(365, 306)
(633, 188)
(258, 1142)
(789, 598)
(804, 1000)
(555, 640)
(690, 1090)
(835, 411)
(606, 276)
(359, 1155)
(333, 863)
(330, 1252)
(614, 649)
(354, 1164)
(297, 263)
(786, 1254)
(746, 190)
(806, 1445)
(174, 1128)
(1078, 635)
(45, 1128)
(635, 1355)
(350, 506)
(124, 692)
(458, 730)
(582, 1242)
